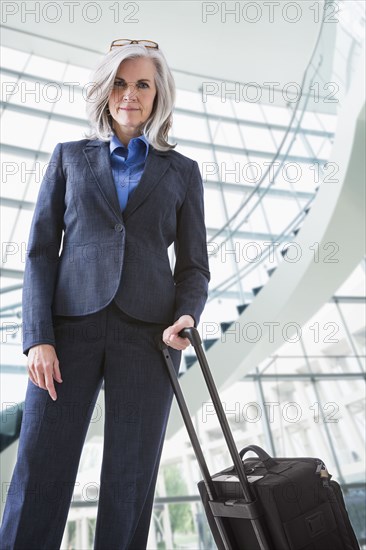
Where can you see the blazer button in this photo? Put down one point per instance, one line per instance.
(118, 227)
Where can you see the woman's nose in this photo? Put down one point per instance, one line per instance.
(130, 91)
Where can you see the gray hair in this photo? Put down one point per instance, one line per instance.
(157, 126)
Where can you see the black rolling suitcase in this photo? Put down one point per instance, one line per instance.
(264, 503)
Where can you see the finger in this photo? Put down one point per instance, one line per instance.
(39, 376)
(56, 371)
(170, 337)
(179, 343)
(49, 384)
(166, 337)
(174, 338)
(42, 382)
(32, 376)
(178, 327)
(172, 333)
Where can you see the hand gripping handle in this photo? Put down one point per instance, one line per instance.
(192, 334)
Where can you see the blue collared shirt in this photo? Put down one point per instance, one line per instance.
(127, 165)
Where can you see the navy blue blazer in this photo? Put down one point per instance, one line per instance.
(83, 252)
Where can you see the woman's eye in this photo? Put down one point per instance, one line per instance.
(119, 84)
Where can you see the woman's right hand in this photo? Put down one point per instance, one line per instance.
(43, 367)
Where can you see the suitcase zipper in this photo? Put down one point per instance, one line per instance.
(320, 466)
(323, 473)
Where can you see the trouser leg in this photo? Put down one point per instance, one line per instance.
(138, 398)
(140, 536)
(51, 439)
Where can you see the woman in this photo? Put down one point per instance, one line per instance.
(92, 310)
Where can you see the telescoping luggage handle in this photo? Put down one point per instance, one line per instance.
(192, 334)
(195, 339)
(193, 437)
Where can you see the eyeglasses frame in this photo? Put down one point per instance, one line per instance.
(114, 45)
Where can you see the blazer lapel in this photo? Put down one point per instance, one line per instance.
(98, 158)
(157, 163)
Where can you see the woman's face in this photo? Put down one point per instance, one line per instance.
(131, 100)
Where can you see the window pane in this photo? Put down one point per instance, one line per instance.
(32, 129)
(187, 127)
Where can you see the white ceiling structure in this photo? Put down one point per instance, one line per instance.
(244, 42)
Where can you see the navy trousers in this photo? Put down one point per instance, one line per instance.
(111, 346)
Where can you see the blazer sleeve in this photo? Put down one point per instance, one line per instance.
(42, 256)
(191, 272)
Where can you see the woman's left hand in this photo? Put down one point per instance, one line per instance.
(170, 334)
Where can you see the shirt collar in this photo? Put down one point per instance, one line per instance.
(115, 142)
